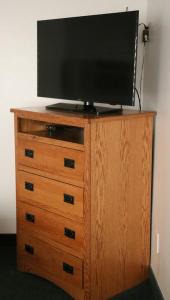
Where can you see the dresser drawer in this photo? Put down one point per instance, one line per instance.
(55, 160)
(50, 226)
(51, 195)
(42, 259)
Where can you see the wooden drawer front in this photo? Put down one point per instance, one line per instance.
(38, 256)
(49, 226)
(52, 159)
(52, 195)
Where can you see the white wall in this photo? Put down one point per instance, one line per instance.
(157, 97)
(18, 72)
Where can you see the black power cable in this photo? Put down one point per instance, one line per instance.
(142, 71)
(138, 98)
(143, 25)
(139, 94)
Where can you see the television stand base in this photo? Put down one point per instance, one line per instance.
(87, 108)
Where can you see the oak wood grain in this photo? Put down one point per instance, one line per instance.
(41, 114)
(80, 120)
(49, 141)
(47, 262)
(73, 181)
(87, 215)
(49, 194)
(49, 226)
(64, 136)
(50, 158)
(112, 185)
(120, 204)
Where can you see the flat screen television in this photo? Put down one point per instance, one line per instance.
(89, 58)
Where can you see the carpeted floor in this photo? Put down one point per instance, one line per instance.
(15, 285)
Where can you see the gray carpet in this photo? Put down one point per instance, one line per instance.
(15, 285)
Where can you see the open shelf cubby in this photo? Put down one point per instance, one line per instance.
(61, 132)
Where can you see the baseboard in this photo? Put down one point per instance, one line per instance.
(155, 287)
(7, 239)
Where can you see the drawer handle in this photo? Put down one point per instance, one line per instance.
(69, 199)
(67, 268)
(69, 163)
(29, 249)
(29, 186)
(69, 233)
(29, 153)
(29, 217)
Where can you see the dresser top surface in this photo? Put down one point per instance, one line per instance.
(75, 118)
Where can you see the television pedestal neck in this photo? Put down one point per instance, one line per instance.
(87, 108)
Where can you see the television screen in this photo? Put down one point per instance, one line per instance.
(92, 58)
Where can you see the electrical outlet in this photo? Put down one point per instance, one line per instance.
(145, 37)
(157, 243)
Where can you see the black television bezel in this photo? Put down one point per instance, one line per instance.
(88, 99)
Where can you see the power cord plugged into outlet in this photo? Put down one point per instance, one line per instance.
(145, 36)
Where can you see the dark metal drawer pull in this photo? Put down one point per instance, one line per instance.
(69, 199)
(29, 249)
(69, 233)
(67, 268)
(69, 163)
(29, 153)
(29, 186)
(29, 217)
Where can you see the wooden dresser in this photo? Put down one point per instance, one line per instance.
(84, 199)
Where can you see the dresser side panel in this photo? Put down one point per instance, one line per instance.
(121, 163)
